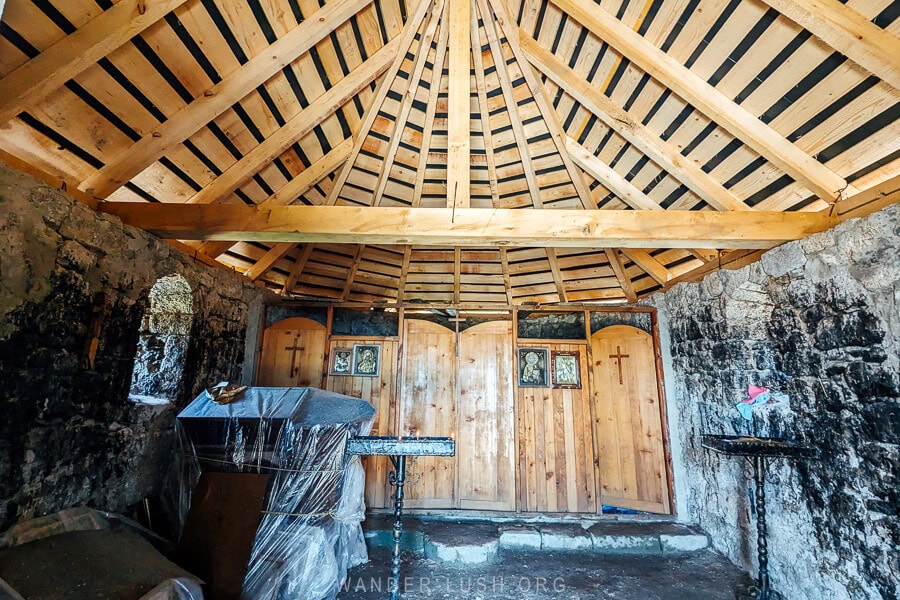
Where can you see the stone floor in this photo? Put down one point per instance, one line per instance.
(525, 561)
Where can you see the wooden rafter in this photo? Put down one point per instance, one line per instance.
(471, 226)
(404, 41)
(615, 263)
(507, 282)
(875, 49)
(544, 106)
(484, 111)
(557, 276)
(513, 112)
(297, 127)
(664, 154)
(618, 185)
(404, 271)
(457, 273)
(351, 275)
(297, 269)
(731, 116)
(221, 96)
(653, 267)
(406, 104)
(459, 102)
(268, 260)
(45, 73)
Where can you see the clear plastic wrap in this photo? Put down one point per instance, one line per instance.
(310, 532)
(184, 587)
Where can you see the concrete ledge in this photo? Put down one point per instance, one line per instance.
(565, 537)
(690, 542)
(624, 539)
(461, 543)
(520, 537)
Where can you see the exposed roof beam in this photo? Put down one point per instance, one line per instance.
(351, 275)
(557, 276)
(320, 109)
(51, 69)
(268, 260)
(551, 118)
(615, 263)
(297, 269)
(868, 45)
(209, 105)
(821, 180)
(618, 185)
(507, 283)
(402, 44)
(295, 188)
(459, 106)
(653, 267)
(484, 111)
(471, 226)
(664, 154)
(404, 271)
(457, 273)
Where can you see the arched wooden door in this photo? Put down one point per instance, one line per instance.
(293, 354)
(428, 406)
(486, 416)
(627, 420)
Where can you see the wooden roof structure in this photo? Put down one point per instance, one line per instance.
(471, 152)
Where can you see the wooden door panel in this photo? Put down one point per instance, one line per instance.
(293, 354)
(486, 441)
(627, 420)
(556, 457)
(428, 406)
(380, 392)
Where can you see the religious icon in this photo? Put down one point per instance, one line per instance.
(566, 370)
(341, 359)
(366, 360)
(533, 370)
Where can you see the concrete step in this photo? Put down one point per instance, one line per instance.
(475, 542)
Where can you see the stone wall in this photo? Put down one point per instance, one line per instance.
(818, 320)
(74, 287)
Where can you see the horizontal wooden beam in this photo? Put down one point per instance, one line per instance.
(471, 227)
(875, 49)
(67, 58)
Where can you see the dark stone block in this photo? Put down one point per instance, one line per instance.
(881, 422)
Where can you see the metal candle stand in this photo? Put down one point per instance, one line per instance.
(397, 449)
(759, 450)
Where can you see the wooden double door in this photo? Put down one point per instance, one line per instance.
(460, 385)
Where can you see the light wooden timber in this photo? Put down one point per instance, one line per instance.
(653, 267)
(297, 269)
(621, 187)
(731, 116)
(181, 125)
(323, 107)
(557, 277)
(45, 73)
(870, 200)
(615, 264)
(459, 105)
(402, 44)
(844, 29)
(471, 227)
(664, 154)
(268, 260)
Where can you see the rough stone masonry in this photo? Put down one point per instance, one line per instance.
(74, 287)
(818, 320)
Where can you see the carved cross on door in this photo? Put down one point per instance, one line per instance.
(618, 356)
(294, 369)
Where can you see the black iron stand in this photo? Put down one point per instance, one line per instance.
(762, 546)
(397, 479)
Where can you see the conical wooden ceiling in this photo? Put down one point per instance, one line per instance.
(678, 106)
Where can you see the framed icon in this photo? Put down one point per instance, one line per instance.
(566, 370)
(534, 367)
(341, 361)
(366, 360)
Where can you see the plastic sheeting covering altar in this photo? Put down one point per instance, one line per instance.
(310, 533)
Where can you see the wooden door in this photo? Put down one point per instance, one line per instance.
(380, 392)
(428, 406)
(486, 418)
(293, 354)
(627, 420)
(556, 458)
